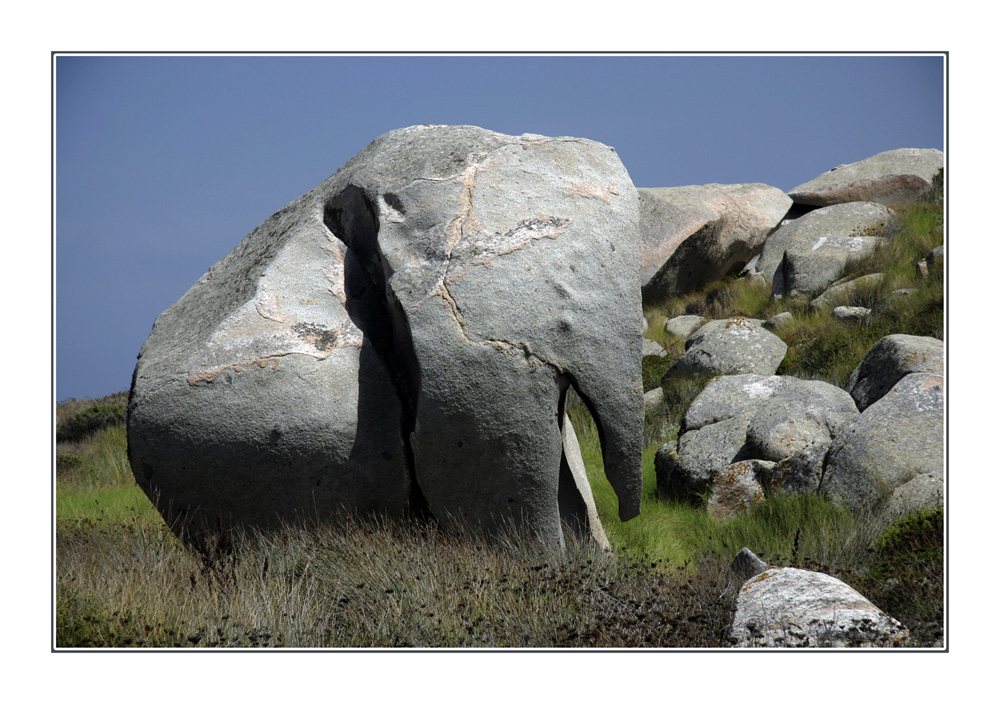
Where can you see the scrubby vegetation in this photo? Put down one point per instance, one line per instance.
(123, 580)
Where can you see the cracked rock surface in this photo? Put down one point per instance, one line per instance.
(402, 338)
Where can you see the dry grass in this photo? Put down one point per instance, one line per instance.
(374, 585)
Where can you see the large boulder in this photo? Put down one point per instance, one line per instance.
(785, 607)
(888, 361)
(695, 234)
(895, 440)
(892, 178)
(403, 337)
(809, 253)
(736, 345)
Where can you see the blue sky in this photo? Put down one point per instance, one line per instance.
(164, 163)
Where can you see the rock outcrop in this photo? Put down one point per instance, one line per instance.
(892, 178)
(695, 234)
(402, 339)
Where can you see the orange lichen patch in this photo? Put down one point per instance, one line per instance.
(767, 574)
(739, 321)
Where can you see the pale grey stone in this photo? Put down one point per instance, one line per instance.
(695, 234)
(810, 253)
(684, 326)
(653, 397)
(851, 314)
(434, 298)
(801, 414)
(736, 345)
(888, 361)
(730, 396)
(841, 292)
(687, 468)
(582, 519)
(788, 608)
(895, 439)
(894, 178)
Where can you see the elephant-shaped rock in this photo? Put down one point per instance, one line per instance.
(401, 339)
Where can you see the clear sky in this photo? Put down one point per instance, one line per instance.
(164, 163)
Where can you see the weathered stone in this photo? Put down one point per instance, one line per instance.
(734, 490)
(809, 253)
(842, 292)
(778, 319)
(731, 396)
(684, 326)
(895, 439)
(695, 234)
(801, 414)
(935, 258)
(746, 565)
(820, 244)
(258, 399)
(851, 314)
(737, 345)
(894, 178)
(888, 361)
(434, 299)
(793, 608)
